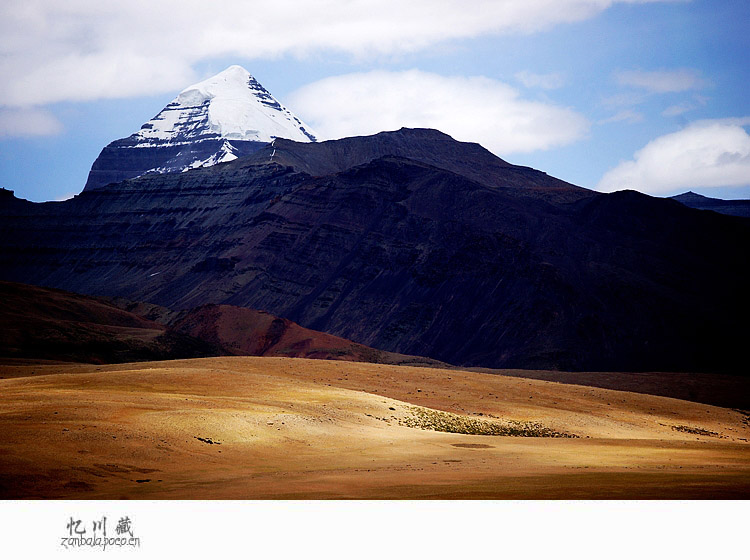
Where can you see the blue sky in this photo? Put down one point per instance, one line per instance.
(605, 94)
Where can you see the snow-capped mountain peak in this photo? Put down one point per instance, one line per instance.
(226, 116)
(233, 105)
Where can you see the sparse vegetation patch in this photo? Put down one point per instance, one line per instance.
(696, 431)
(439, 421)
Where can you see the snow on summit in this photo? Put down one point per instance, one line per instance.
(231, 105)
(227, 116)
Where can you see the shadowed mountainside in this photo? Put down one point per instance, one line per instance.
(436, 249)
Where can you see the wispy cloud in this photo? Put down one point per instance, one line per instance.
(26, 122)
(661, 81)
(678, 109)
(88, 49)
(472, 109)
(627, 115)
(684, 107)
(708, 153)
(627, 99)
(543, 81)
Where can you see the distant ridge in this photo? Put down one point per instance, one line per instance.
(728, 207)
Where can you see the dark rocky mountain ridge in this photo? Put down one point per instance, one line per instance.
(427, 146)
(410, 242)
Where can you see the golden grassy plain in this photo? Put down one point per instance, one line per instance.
(260, 428)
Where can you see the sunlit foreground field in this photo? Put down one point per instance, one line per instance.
(258, 428)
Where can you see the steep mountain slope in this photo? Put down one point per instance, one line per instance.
(217, 120)
(510, 268)
(728, 207)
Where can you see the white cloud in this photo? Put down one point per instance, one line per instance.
(474, 109)
(543, 81)
(661, 81)
(66, 196)
(27, 122)
(95, 76)
(52, 50)
(710, 153)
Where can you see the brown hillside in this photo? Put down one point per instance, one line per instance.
(48, 324)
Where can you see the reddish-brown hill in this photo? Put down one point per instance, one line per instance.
(247, 332)
(48, 324)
